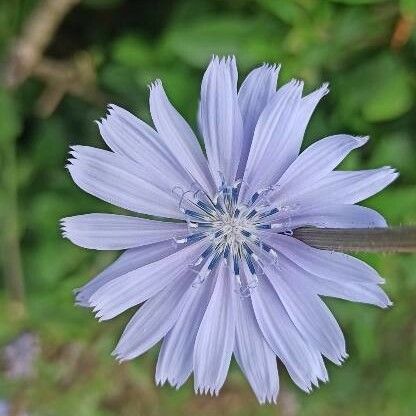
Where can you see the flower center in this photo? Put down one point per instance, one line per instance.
(231, 229)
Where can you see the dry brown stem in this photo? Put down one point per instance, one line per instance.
(37, 32)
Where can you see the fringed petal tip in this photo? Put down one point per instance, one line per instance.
(361, 140)
(65, 227)
(273, 68)
(205, 390)
(323, 89)
(267, 395)
(119, 357)
(154, 85)
(342, 358)
(389, 170)
(113, 107)
(317, 380)
(122, 355)
(74, 153)
(74, 148)
(172, 381)
(266, 400)
(80, 299)
(100, 317)
(81, 302)
(63, 223)
(393, 175)
(101, 311)
(295, 84)
(104, 119)
(226, 59)
(73, 156)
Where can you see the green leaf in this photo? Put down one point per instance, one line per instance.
(392, 95)
(252, 40)
(395, 150)
(397, 204)
(359, 2)
(131, 51)
(408, 8)
(374, 91)
(288, 11)
(10, 123)
(102, 4)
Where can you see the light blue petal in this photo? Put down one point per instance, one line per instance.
(314, 163)
(178, 137)
(330, 215)
(121, 182)
(306, 108)
(353, 291)
(345, 187)
(279, 134)
(326, 264)
(136, 286)
(220, 119)
(118, 232)
(271, 137)
(307, 311)
(130, 260)
(253, 354)
(154, 319)
(331, 273)
(300, 359)
(255, 92)
(175, 362)
(132, 138)
(214, 342)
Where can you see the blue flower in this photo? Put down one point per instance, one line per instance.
(220, 272)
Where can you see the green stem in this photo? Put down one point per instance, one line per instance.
(393, 239)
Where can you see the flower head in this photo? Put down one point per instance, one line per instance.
(220, 272)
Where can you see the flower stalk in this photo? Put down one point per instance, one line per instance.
(390, 240)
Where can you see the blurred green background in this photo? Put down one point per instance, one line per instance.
(62, 61)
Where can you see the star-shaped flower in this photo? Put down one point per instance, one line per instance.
(220, 273)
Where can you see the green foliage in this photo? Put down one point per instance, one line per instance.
(388, 94)
(346, 42)
(9, 119)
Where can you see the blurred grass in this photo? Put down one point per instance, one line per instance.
(365, 48)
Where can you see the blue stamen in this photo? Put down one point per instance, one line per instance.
(236, 266)
(250, 264)
(234, 194)
(268, 213)
(263, 226)
(226, 251)
(219, 208)
(248, 249)
(207, 252)
(214, 261)
(205, 207)
(195, 237)
(195, 215)
(219, 233)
